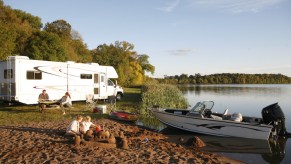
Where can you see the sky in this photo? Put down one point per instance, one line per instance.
(183, 36)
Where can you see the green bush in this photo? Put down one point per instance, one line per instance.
(163, 95)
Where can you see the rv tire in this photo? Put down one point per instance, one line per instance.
(118, 96)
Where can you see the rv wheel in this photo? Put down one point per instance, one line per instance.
(118, 96)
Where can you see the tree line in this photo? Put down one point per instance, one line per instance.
(227, 78)
(24, 34)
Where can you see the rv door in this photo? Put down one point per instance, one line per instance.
(102, 86)
(96, 86)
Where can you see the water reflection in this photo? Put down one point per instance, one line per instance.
(278, 151)
(272, 151)
(246, 150)
(231, 89)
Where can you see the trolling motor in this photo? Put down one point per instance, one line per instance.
(273, 115)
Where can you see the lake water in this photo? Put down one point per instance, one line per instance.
(248, 100)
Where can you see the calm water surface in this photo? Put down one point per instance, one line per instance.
(248, 100)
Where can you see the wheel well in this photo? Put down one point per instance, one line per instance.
(119, 93)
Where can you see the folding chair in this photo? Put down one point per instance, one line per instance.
(90, 102)
(112, 103)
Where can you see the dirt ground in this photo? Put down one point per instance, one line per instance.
(45, 143)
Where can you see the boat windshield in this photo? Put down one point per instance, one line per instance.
(201, 106)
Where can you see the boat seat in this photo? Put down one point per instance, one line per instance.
(194, 114)
(237, 117)
(215, 117)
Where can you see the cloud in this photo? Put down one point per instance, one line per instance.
(182, 52)
(237, 6)
(170, 6)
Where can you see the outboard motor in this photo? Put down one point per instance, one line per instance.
(273, 115)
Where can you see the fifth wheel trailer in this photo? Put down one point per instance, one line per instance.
(23, 79)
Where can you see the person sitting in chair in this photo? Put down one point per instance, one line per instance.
(41, 98)
(66, 102)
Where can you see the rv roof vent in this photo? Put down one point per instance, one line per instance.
(17, 57)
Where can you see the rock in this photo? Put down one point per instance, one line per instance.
(181, 139)
(196, 142)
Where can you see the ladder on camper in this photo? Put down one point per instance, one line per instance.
(9, 75)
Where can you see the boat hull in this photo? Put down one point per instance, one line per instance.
(210, 126)
(123, 116)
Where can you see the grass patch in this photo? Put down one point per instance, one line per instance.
(22, 114)
(163, 95)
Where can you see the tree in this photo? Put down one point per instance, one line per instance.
(75, 35)
(20, 33)
(43, 45)
(7, 41)
(59, 27)
(8, 32)
(136, 74)
(34, 22)
(144, 62)
(130, 66)
(16, 27)
(81, 52)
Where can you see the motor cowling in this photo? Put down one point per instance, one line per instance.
(273, 115)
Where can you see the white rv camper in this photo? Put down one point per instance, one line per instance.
(22, 80)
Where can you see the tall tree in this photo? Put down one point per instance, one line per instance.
(33, 22)
(143, 60)
(7, 41)
(43, 45)
(59, 27)
(130, 66)
(81, 52)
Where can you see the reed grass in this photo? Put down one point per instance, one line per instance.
(162, 95)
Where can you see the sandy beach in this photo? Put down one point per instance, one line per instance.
(45, 143)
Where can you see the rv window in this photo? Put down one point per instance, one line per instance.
(8, 74)
(110, 83)
(102, 79)
(96, 78)
(86, 76)
(96, 91)
(33, 75)
(37, 75)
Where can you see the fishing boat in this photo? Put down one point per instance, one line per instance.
(123, 116)
(201, 119)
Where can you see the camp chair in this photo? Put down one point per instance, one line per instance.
(66, 108)
(90, 102)
(111, 103)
